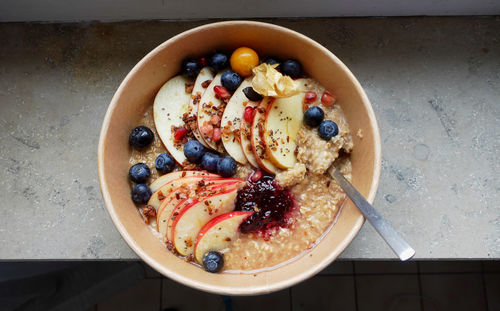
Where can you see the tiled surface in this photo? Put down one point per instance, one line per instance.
(388, 292)
(491, 266)
(144, 296)
(325, 293)
(371, 286)
(279, 301)
(450, 266)
(180, 297)
(338, 267)
(384, 267)
(492, 283)
(453, 292)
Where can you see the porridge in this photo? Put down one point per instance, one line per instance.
(228, 165)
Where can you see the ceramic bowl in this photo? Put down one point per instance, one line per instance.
(137, 92)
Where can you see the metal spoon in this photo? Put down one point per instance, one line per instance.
(391, 237)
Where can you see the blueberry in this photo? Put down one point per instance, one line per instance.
(219, 61)
(139, 173)
(213, 262)
(193, 151)
(141, 137)
(164, 163)
(314, 116)
(251, 94)
(328, 129)
(141, 193)
(190, 68)
(272, 61)
(230, 80)
(291, 68)
(209, 161)
(226, 166)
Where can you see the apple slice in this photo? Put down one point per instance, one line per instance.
(283, 121)
(258, 146)
(206, 193)
(159, 195)
(246, 138)
(210, 105)
(162, 180)
(191, 218)
(171, 103)
(231, 120)
(180, 194)
(200, 85)
(218, 233)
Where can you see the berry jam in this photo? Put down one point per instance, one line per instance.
(270, 203)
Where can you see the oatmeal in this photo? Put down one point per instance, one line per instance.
(255, 196)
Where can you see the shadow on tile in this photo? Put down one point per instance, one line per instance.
(491, 265)
(450, 266)
(338, 267)
(382, 267)
(325, 293)
(183, 298)
(144, 296)
(388, 292)
(492, 282)
(453, 292)
(278, 301)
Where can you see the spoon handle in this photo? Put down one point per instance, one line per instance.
(395, 241)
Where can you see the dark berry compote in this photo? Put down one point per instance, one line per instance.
(272, 205)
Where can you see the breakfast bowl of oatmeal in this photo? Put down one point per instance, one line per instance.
(213, 156)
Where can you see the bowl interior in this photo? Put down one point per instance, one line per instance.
(137, 92)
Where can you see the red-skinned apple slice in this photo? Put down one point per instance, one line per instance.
(231, 122)
(258, 146)
(282, 123)
(191, 218)
(218, 233)
(200, 85)
(209, 106)
(180, 194)
(246, 138)
(172, 217)
(171, 102)
(159, 195)
(164, 179)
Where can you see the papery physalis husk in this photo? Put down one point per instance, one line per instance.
(268, 81)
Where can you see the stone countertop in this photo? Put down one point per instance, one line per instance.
(434, 84)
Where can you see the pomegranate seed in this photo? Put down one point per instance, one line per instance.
(328, 99)
(310, 96)
(215, 119)
(203, 62)
(217, 134)
(221, 92)
(180, 133)
(206, 130)
(256, 176)
(248, 114)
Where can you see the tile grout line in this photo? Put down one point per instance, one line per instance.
(485, 292)
(355, 286)
(421, 294)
